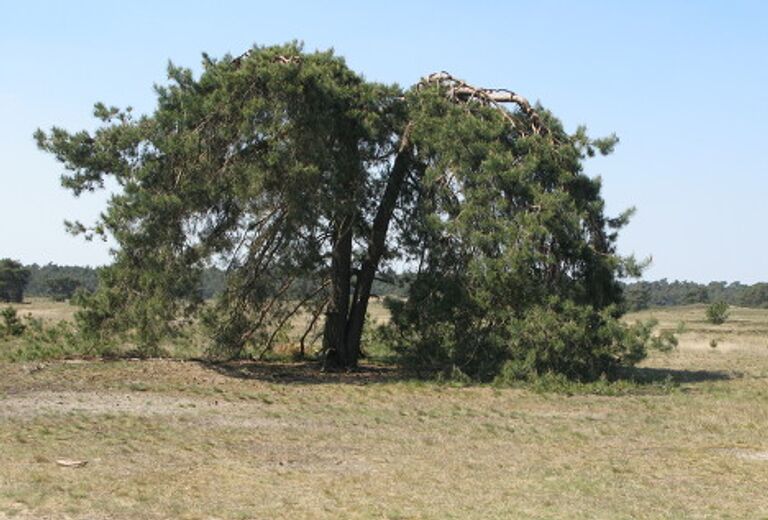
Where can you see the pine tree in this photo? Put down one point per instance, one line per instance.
(303, 180)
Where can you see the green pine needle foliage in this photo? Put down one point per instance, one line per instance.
(717, 313)
(277, 166)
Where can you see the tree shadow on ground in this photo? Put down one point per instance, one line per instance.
(647, 375)
(312, 373)
(308, 372)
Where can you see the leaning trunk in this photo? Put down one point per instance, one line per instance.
(344, 319)
(377, 244)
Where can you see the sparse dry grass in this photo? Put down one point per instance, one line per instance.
(171, 439)
(193, 344)
(44, 308)
(745, 328)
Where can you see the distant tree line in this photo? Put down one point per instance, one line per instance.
(55, 281)
(662, 293)
(61, 281)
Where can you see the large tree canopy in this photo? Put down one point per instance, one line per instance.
(303, 179)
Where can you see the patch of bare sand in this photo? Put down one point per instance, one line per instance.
(213, 411)
(745, 454)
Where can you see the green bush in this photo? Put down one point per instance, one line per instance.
(374, 343)
(32, 339)
(717, 312)
(573, 341)
(11, 324)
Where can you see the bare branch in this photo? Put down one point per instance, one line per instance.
(460, 91)
(290, 314)
(311, 326)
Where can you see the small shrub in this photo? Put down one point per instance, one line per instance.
(374, 343)
(11, 324)
(32, 339)
(717, 313)
(713, 343)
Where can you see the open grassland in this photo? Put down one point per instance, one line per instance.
(190, 345)
(49, 310)
(44, 309)
(181, 439)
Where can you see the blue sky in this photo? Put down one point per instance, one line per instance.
(683, 84)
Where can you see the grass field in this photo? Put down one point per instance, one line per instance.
(45, 309)
(182, 439)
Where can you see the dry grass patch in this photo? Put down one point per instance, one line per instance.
(45, 309)
(172, 439)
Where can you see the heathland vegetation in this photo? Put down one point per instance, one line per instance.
(679, 436)
(334, 298)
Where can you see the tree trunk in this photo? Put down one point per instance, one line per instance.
(334, 335)
(336, 353)
(377, 244)
(344, 319)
